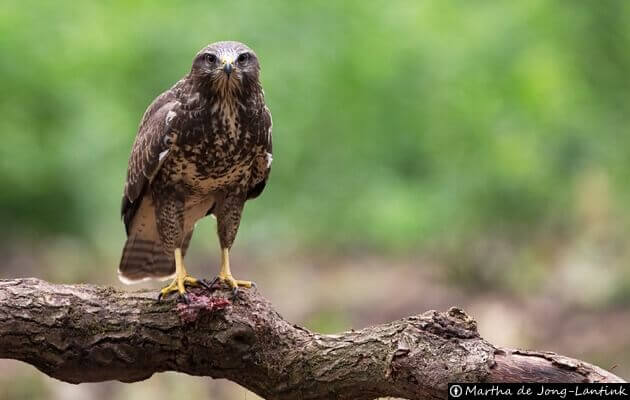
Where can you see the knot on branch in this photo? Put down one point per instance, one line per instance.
(453, 324)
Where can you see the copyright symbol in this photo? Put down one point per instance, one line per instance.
(455, 391)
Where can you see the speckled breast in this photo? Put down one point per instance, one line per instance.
(217, 150)
(202, 169)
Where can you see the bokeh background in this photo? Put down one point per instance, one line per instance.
(426, 154)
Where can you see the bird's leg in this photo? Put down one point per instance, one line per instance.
(181, 279)
(228, 214)
(225, 274)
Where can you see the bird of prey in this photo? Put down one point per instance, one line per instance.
(203, 148)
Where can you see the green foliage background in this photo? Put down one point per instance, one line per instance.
(408, 126)
(487, 138)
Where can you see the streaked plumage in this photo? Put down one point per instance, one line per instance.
(203, 147)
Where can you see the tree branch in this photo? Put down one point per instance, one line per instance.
(85, 333)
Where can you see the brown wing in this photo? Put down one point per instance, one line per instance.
(266, 128)
(149, 151)
(263, 126)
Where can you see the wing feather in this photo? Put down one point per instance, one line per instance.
(263, 127)
(149, 151)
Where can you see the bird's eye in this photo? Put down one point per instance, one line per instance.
(243, 57)
(211, 58)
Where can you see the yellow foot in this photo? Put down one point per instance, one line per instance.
(225, 275)
(234, 284)
(178, 285)
(181, 280)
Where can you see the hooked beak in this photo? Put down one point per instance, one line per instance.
(228, 65)
(227, 68)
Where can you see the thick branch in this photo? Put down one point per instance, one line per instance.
(84, 333)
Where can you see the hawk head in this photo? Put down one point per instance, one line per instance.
(226, 68)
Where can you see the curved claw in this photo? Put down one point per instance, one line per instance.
(184, 297)
(162, 296)
(178, 286)
(210, 286)
(204, 284)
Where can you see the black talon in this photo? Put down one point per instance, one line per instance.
(161, 296)
(235, 292)
(204, 283)
(184, 297)
(213, 282)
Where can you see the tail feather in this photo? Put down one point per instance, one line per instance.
(143, 256)
(144, 259)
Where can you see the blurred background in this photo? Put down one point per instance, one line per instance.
(426, 155)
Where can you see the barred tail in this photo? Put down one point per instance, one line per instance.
(144, 259)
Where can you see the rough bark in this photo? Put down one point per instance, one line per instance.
(84, 333)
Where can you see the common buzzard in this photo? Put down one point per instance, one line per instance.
(203, 148)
